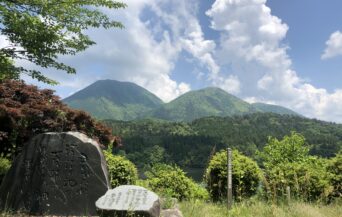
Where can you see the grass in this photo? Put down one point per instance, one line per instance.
(259, 209)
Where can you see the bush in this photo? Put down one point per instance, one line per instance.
(308, 180)
(171, 181)
(335, 170)
(26, 111)
(121, 170)
(288, 164)
(245, 176)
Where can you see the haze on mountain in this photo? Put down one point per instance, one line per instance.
(110, 99)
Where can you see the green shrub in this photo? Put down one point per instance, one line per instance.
(308, 180)
(245, 176)
(288, 164)
(121, 170)
(171, 181)
(335, 170)
(5, 164)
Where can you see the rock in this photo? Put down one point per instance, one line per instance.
(56, 174)
(127, 199)
(171, 213)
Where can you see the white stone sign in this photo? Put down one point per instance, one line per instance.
(130, 198)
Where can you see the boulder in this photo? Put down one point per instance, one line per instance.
(56, 174)
(129, 199)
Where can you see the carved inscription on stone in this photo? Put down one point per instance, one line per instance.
(57, 173)
(68, 173)
(132, 198)
(129, 198)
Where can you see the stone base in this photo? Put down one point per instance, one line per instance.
(171, 213)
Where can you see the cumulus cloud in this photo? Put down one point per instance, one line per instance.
(251, 46)
(132, 54)
(333, 46)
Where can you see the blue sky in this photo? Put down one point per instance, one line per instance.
(280, 52)
(311, 23)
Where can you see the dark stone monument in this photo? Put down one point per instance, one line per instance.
(129, 199)
(56, 174)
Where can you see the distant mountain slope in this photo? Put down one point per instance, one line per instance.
(189, 144)
(109, 99)
(262, 107)
(202, 103)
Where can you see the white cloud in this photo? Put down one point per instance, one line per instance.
(231, 84)
(251, 46)
(3, 41)
(132, 54)
(334, 46)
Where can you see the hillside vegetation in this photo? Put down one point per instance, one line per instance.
(190, 144)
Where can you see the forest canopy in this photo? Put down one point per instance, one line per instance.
(190, 144)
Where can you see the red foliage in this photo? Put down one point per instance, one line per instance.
(26, 111)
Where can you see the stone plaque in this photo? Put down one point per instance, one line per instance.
(56, 174)
(129, 199)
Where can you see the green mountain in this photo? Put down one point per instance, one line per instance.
(262, 107)
(109, 99)
(202, 103)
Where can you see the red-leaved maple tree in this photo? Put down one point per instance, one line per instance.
(26, 111)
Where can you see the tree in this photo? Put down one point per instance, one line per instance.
(288, 164)
(26, 111)
(290, 149)
(41, 30)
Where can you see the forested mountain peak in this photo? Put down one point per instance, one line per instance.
(114, 99)
(210, 101)
(119, 92)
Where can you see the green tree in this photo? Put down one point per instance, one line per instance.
(41, 30)
(288, 164)
(290, 149)
(335, 169)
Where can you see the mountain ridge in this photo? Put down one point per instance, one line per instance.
(111, 99)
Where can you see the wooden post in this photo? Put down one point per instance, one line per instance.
(288, 194)
(229, 179)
